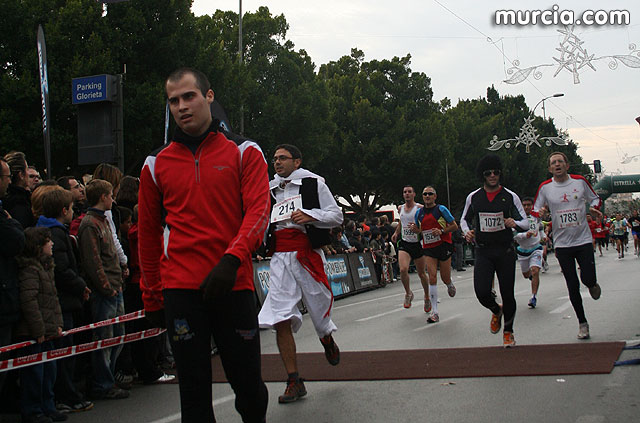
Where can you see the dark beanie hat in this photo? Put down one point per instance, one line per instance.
(488, 162)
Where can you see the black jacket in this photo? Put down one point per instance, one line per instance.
(69, 284)
(11, 244)
(18, 203)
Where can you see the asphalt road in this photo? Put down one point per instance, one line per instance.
(376, 320)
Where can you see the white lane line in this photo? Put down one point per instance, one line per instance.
(364, 319)
(381, 298)
(430, 325)
(373, 300)
(562, 308)
(176, 417)
(566, 305)
(583, 294)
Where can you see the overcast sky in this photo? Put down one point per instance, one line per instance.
(459, 47)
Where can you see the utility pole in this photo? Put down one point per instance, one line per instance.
(240, 61)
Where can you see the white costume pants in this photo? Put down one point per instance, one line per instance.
(288, 283)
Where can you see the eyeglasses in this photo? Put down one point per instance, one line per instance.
(6, 176)
(34, 176)
(280, 158)
(428, 193)
(488, 173)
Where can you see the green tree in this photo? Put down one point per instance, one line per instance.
(388, 129)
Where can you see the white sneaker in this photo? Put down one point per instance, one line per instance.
(583, 333)
(427, 305)
(434, 318)
(165, 378)
(407, 300)
(451, 289)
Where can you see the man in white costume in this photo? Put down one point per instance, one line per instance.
(303, 212)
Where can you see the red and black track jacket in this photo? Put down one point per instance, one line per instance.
(194, 208)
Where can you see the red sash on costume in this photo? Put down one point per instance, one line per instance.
(294, 240)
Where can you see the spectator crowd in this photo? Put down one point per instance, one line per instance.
(68, 257)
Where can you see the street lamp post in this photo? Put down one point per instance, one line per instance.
(544, 114)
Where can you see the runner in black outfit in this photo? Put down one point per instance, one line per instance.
(489, 215)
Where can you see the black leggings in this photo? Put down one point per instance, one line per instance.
(583, 255)
(233, 322)
(501, 261)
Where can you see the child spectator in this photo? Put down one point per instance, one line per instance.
(36, 196)
(112, 174)
(41, 320)
(104, 276)
(57, 207)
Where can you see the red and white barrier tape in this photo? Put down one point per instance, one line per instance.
(124, 318)
(30, 360)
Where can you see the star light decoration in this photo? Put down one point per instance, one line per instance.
(573, 57)
(527, 136)
(626, 158)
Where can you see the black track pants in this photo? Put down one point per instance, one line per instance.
(583, 255)
(502, 262)
(233, 322)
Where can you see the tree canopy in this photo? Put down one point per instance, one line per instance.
(369, 127)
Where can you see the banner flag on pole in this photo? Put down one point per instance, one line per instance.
(44, 97)
(166, 123)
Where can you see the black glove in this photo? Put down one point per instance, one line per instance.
(156, 318)
(219, 282)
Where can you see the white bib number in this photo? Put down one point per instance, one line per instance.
(429, 237)
(408, 235)
(283, 210)
(568, 218)
(491, 222)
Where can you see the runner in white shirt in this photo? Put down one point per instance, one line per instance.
(409, 248)
(566, 197)
(530, 250)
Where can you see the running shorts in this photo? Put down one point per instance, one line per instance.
(412, 248)
(441, 252)
(532, 260)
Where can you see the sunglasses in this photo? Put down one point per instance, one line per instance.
(488, 173)
(428, 193)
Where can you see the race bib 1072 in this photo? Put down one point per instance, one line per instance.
(283, 210)
(491, 222)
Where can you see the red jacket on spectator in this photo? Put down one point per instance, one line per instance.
(227, 181)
